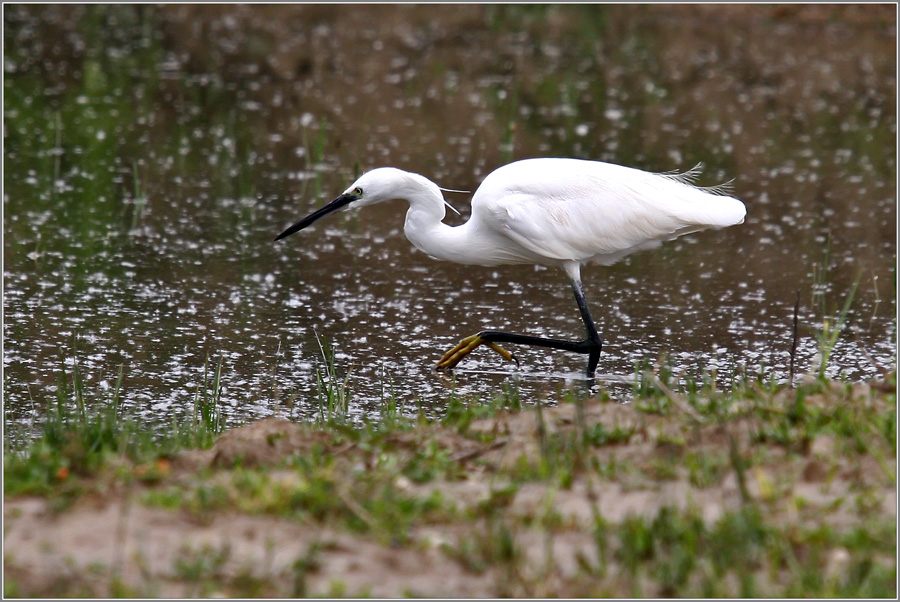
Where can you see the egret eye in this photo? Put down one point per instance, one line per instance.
(358, 191)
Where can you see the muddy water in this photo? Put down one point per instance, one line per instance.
(153, 153)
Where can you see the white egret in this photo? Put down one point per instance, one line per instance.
(549, 211)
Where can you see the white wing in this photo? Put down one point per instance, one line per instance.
(560, 210)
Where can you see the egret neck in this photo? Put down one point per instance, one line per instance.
(425, 230)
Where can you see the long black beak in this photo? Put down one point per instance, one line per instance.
(338, 203)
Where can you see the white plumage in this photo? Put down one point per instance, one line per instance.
(560, 212)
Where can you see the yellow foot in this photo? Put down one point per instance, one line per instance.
(465, 347)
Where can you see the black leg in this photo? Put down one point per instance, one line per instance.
(590, 346)
(593, 337)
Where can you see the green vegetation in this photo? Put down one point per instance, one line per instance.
(84, 436)
(763, 490)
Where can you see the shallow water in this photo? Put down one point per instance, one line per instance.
(153, 153)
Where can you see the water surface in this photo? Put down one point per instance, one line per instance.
(152, 153)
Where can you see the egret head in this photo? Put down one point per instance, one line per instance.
(368, 189)
(382, 184)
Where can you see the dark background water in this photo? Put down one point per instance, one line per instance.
(151, 154)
